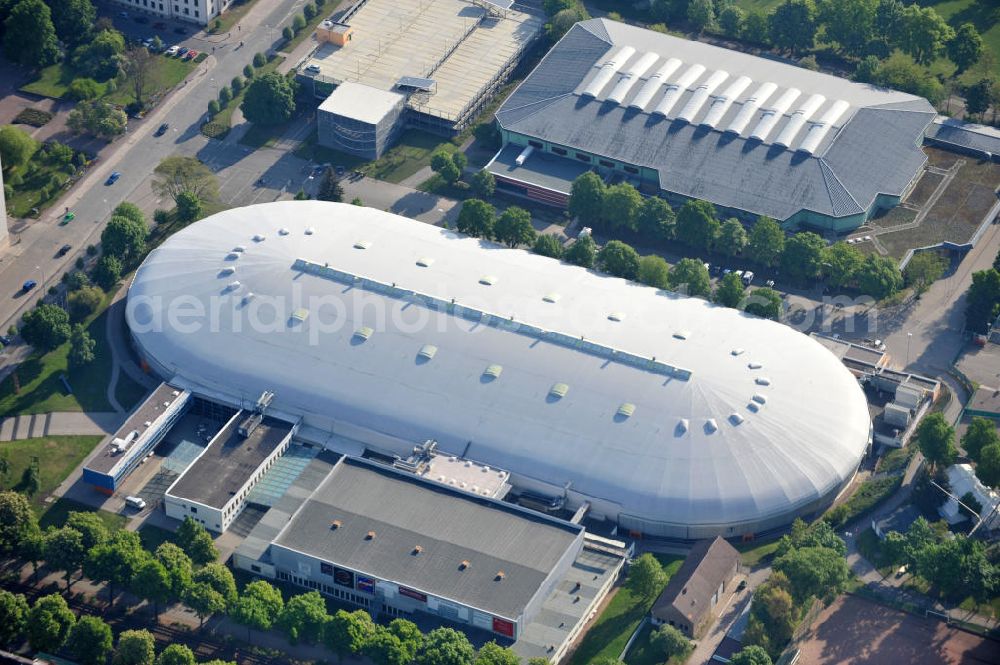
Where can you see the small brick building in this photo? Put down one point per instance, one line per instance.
(690, 599)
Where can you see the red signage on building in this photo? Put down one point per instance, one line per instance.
(415, 595)
(503, 627)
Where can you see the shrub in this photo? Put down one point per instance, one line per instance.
(91, 250)
(161, 216)
(287, 33)
(84, 88)
(214, 130)
(83, 302)
(214, 108)
(299, 22)
(33, 117)
(259, 59)
(309, 11)
(248, 71)
(225, 96)
(237, 84)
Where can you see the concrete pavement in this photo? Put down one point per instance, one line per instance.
(15, 428)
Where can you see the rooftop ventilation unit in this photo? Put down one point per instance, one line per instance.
(682, 426)
(772, 115)
(631, 76)
(711, 426)
(233, 285)
(427, 351)
(701, 94)
(754, 407)
(500, 575)
(370, 535)
(558, 390)
(417, 549)
(551, 297)
(309, 231)
(677, 88)
(760, 399)
(362, 244)
(464, 565)
(248, 297)
(626, 410)
(617, 317)
(737, 352)
(488, 280)
(722, 102)
(301, 314)
(239, 248)
(607, 71)
(493, 371)
(336, 524)
(363, 333)
(654, 83)
(228, 270)
(820, 129)
(425, 262)
(259, 238)
(750, 107)
(736, 419)
(762, 381)
(682, 334)
(754, 365)
(523, 157)
(232, 256)
(283, 231)
(798, 120)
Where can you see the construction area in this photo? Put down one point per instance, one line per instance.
(443, 58)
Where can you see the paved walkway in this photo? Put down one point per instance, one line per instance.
(15, 428)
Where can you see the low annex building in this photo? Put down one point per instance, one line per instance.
(395, 543)
(690, 599)
(685, 119)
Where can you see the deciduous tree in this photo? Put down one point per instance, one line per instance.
(619, 259)
(64, 551)
(690, 276)
(732, 237)
(445, 646)
(514, 228)
(91, 640)
(176, 654)
(966, 47)
(924, 269)
(16, 147)
(548, 245)
(151, 582)
(792, 25)
(582, 252)
(13, 617)
(654, 271)
(29, 36)
(670, 642)
(697, 224)
(17, 521)
(196, 542)
(135, 647)
(586, 198)
(257, 607)
(621, 206)
(477, 218)
(269, 99)
(176, 174)
(982, 432)
(49, 623)
(656, 219)
(115, 561)
(936, 439)
(766, 242)
(646, 576)
(303, 617)
(802, 257)
(730, 291)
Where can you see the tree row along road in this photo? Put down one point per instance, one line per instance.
(135, 157)
(204, 644)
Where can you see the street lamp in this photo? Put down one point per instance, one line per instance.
(909, 336)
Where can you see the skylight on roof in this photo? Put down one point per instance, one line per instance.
(362, 244)
(283, 231)
(488, 280)
(363, 333)
(493, 371)
(618, 317)
(427, 351)
(301, 314)
(711, 426)
(682, 334)
(259, 238)
(762, 381)
(736, 419)
(239, 248)
(309, 231)
(558, 390)
(737, 351)
(551, 297)
(626, 410)
(425, 262)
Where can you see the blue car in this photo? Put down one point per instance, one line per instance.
(30, 284)
(113, 178)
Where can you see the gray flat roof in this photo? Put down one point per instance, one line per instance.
(541, 170)
(147, 412)
(229, 461)
(450, 527)
(806, 141)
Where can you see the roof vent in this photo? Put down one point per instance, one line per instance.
(370, 535)
(362, 244)
(737, 352)
(464, 565)
(309, 231)
(239, 249)
(711, 426)
(762, 381)
(558, 390)
(248, 297)
(754, 365)
(735, 418)
(493, 371)
(232, 256)
(259, 238)
(551, 297)
(283, 231)
(417, 549)
(616, 316)
(760, 399)
(233, 285)
(301, 314)
(488, 280)
(425, 262)
(427, 351)
(335, 524)
(682, 334)
(626, 410)
(754, 407)
(500, 575)
(363, 333)
(682, 427)
(228, 270)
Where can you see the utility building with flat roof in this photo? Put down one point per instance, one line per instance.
(393, 542)
(688, 120)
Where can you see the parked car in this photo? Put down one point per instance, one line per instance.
(172, 50)
(769, 283)
(742, 585)
(190, 55)
(161, 130)
(748, 277)
(6, 340)
(30, 284)
(64, 250)
(182, 51)
(312, 69)
(340, 171)
(135, 502)
(113, 178)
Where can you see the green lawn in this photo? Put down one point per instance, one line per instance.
(896, 459)
(609, 634)
(232, 16)
(57, 456)
(643, 653)
(41, 391)
(53, 81)
(57, 513)
(984, 14)
(756, 553)
(411, 153)
(36, 189)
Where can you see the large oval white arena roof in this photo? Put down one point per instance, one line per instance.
(674, 409)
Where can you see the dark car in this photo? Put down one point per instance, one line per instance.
(5, 340)
(64, 250)
(742, 585)
(161, 130)
(113, 178)
(30, 284)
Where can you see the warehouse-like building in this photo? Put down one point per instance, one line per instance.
(668, 415)
(686, 119)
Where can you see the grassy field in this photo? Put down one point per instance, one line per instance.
(984, 14)
(411, 153)
(609, 634)
(755, 553)
(643, 653)
(53, 81)
(35, 189)
(41, 391)
(57, 513)
(57, 456)
(896, 459)
(225, 116)
(231, 17)
(321, 14)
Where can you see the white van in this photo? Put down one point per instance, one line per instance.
(135, 502)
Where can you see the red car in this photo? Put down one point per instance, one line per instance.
(190, 55)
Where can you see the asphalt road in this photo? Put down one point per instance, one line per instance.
(136, 155)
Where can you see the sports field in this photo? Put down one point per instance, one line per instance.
(856, 631)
